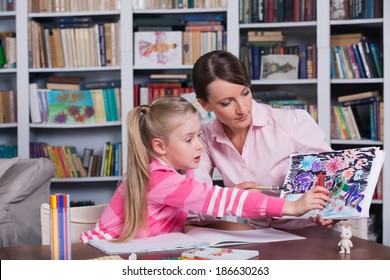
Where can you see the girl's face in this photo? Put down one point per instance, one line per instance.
(184, 147)
(231, 103)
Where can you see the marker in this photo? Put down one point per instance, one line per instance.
(271, 188)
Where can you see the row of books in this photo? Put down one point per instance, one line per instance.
(355, 9)
(252, 55)
(70, 44)
(7, 5)
(159, 85)
(364, 121)
(285, 100)
(8, 106)
(254, 11)
(357, 60)
(74, 106)
(68, 163)
(8, 151)
(178, 4)
(52, 6)
(7, 50)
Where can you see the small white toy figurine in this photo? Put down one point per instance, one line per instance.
(345, 242)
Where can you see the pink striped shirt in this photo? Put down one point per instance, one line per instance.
(171, 195)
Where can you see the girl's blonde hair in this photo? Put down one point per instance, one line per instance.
(144, 123)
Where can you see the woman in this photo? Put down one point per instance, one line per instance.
(249, 143)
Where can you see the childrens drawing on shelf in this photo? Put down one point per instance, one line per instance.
(350, 176)
(279, 67)
(158, 48)
(70, 106)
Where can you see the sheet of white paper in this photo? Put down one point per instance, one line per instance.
(195, 238)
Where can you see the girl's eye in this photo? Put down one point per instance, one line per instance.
(189, 140)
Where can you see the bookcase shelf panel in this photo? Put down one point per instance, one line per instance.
(284, 82)
(5, 14)
(357, 81)
(363, 142)
(72, 126)
(278, 25)
(74, 14)
(86, 179)
(375, 21)
(8, 71)
(162, 67)
(75, 69)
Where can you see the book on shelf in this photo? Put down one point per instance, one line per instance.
(8, 151)
(65, 79)
(62, 86)
(158, 48)
(8, 106)
(350, 175)
(169, 76)
(100, 84)
(362, 101)
(343, 40)
(357, 96)
(194, 238)
(87, 153)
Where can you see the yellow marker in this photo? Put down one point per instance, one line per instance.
(54, 227)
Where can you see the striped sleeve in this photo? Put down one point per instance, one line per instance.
(171, 189)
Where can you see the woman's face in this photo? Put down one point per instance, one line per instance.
(231, 103)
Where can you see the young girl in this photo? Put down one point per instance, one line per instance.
(159, 187)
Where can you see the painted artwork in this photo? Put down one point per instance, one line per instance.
(279, 67)
(350, 176)
(158, 48)
(70, 106)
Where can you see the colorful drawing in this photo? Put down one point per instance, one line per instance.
(350, 176)
(158, 48)
(70, 106)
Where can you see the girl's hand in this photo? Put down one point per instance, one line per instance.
(315, 198)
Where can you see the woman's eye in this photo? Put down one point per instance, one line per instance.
(224, 104)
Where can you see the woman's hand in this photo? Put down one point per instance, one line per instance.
(321, 222)
(249, 185)
(315, 198)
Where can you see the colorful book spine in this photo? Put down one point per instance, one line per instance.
(60, 227)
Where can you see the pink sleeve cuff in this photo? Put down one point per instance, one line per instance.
(275, 206)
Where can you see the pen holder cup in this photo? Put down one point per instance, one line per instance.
(60, 234)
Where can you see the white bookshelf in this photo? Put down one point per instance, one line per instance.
(319, 90)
